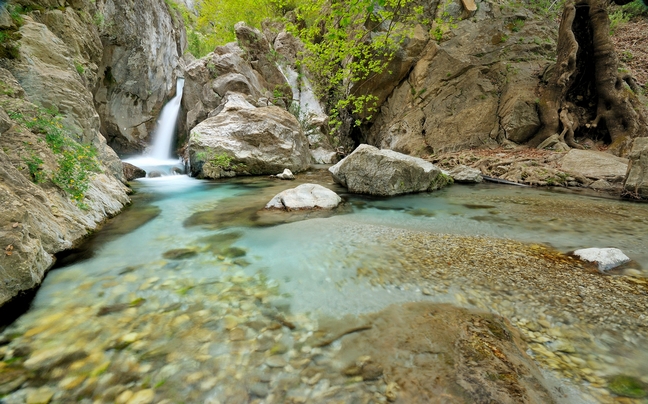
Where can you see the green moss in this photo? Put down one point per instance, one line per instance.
(627, 386)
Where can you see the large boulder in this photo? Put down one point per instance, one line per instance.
(595, 165)
(636, 183)
(369, 170)
(248, 140)
(305, 196)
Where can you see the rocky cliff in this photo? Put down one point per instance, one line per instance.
(72, 71)
(472, 85)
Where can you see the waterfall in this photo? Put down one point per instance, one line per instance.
(163, 136)
(158, 160)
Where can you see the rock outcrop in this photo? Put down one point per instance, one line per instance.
(143, 43)
(248, 140)
(369, 170)
(475, 86)
(636, 183)
(39, 217)
(305, 196)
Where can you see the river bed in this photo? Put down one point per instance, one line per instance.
(176, 310)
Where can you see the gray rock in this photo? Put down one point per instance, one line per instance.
(369, 170)
(605, 258)
(5, 121)
(463, 173)
(286, 175)
(259, 389)
(258, 141)
(276, 361)
(636, 182)
(324, 156)
(305, 196)
(602, 185)
(594, 164)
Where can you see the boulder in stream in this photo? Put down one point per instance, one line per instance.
(369, 170)
(462, 173)
(132, 172)
(305, 196)
(247, 140)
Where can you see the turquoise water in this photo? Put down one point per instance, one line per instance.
(307, 268)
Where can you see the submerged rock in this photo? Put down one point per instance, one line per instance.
(427, 350)
(305, 196)
(605, 258)
(180, 253)
(369, 170)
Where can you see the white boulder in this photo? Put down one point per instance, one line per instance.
(605, 258)
(305, 196)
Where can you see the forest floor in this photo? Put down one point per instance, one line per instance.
(630, 40)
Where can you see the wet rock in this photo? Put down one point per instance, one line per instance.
(628, 386)
(286, 175)
(605, 258)
(259, 389)
(305, 196)
(131, 172)
(180, 254)
(142, 397)
(155, 174)
(276, 361)
(42, 395)
(463, 173)
(369, 170)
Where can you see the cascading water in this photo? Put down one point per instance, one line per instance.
(158, 158)
(161, 148)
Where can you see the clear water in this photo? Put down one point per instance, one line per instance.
(312, 265)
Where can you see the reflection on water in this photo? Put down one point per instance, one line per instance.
(186, 293)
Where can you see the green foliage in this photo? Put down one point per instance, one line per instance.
(618, 18)
(221, 160)
(76, 163)
(79, 67)
(627, 386)
(347, 43)
(99, 19)
(216, 20)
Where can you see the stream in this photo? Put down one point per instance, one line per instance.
(171, 301)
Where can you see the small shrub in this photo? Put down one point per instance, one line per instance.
(79, 68)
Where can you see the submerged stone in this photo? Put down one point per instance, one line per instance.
(627, 386)
(180, 254)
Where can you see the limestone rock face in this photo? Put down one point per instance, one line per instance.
(47, 74)
(369, 170)
(473, 88)
(143, 46)
(595, 165)
(636, 182)
(305, 196)
(249, 140)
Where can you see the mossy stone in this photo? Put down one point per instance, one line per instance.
(627, 386)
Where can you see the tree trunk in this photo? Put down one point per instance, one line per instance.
(585, 95)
